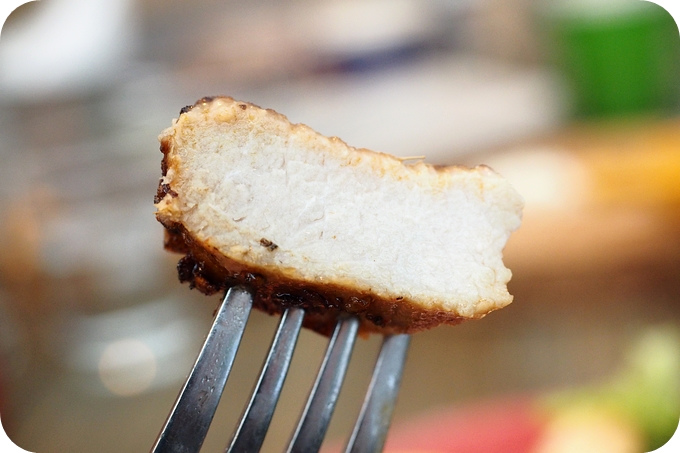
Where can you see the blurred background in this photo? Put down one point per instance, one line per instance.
(577, 103)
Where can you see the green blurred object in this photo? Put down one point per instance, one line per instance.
(646, 390)
(649, 387)
(617, 57)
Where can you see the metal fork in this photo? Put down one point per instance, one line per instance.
(188, 422)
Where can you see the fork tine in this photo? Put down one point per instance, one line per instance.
(316, 416)
(190, 418)
(370, 431)
(255, 421)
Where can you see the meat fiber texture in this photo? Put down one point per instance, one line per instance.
(307, 220)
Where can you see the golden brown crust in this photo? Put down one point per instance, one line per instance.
(273, 114)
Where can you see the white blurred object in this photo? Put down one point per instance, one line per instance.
(356, 27)
(443, 108)
(67, 48)
(548, 179)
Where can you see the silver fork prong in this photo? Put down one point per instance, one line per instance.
(252, 429)
(190, 418)
(370, 430)
(316, 416)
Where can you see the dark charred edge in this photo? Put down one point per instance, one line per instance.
(162, 191)
(165, 149)
(206, 270)
(203, 100)
(208, 99)
(174, 242)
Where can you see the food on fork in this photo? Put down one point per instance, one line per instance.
(309, 221)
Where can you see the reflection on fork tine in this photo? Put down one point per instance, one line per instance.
(374, 419)
(255, 421)
(190, 418)
(317, 413)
